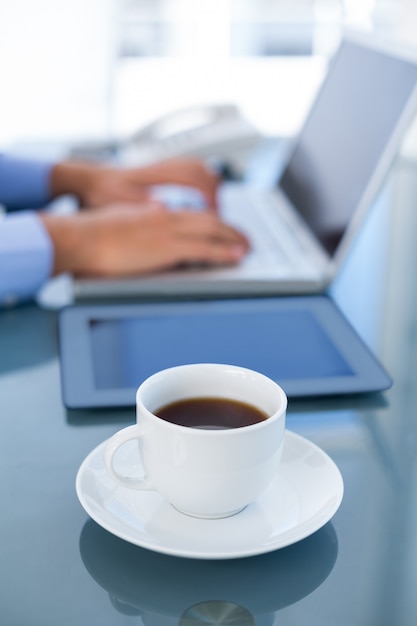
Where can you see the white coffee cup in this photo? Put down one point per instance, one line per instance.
(204, 472)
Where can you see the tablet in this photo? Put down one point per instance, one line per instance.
(304, 343)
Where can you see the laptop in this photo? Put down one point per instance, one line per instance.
(302, 228)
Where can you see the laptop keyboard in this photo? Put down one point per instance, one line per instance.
(254, 213)
(263, 225)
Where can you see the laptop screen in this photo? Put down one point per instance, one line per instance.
(344, 137)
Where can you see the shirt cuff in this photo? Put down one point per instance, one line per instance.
(26, 256)
(24, 183)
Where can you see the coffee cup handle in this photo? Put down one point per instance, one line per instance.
(113, 444)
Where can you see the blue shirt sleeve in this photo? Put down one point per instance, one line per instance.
(24, 183)
(26, 253)
(26, 256)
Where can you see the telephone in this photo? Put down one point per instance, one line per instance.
(217, 131)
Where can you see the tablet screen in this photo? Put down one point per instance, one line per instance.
(281, 344)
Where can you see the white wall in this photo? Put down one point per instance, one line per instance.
(56, 60)
(58, 79)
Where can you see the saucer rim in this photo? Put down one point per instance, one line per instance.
(306, 527)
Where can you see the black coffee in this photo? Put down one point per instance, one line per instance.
(211, 413)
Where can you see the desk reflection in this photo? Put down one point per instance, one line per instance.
(166, 591)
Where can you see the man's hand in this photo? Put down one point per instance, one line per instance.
(122, 241)
(97, 186)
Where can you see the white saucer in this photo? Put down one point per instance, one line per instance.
(304, 495)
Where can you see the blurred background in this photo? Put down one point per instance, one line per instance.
(94, 69)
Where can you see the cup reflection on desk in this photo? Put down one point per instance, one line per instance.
(210, 437)
(166, 590)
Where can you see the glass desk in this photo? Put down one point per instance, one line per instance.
(58, 567)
